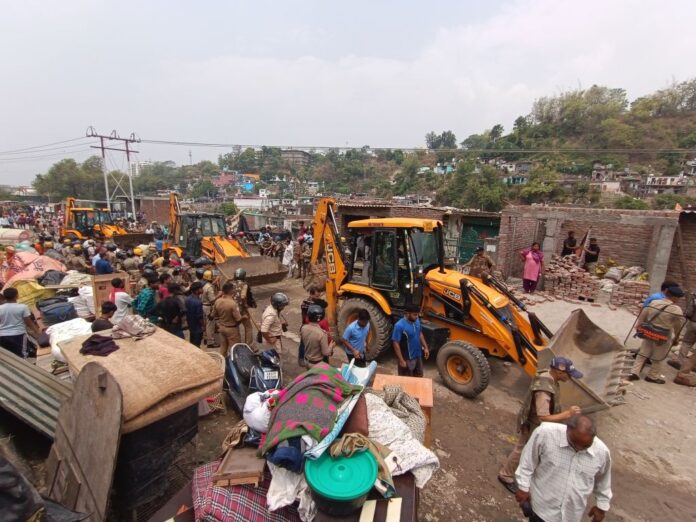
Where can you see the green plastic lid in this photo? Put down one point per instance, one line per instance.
(342, 478)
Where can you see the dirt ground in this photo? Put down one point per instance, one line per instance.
(651, 437)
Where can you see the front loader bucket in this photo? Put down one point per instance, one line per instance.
(261, 270)
(126, 241)
(603, 360)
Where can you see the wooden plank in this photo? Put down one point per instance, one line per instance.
(239, 466)
(421, 388)
(102, 288)
(83, 456)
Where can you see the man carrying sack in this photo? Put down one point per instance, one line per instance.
(658, 326)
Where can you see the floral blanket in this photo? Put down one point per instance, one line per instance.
(308, 406)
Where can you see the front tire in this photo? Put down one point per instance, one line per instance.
(379, 338)
(463, 368)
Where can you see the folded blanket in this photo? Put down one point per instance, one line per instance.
(309, 406)
(387, 429)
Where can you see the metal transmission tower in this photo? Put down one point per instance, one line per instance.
(118, 178)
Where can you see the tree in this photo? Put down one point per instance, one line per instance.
(629, 203)
(204, 189)
(474, 188)
(496, 132)
(407, 178)
(542, 186)
(228, 208)
(68, 178)
(446, 140)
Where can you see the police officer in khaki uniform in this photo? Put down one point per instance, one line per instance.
(245, 300)
(76, 260)
(228, 317)
(667, 316)
(272, 324)
(208, 298)
(542, 404)
(315, 338)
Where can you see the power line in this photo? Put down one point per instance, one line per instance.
(42, 156)
(66, 148)
(42, 146)
(423, 149)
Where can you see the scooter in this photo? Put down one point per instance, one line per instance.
(247, 372)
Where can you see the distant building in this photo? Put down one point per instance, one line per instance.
(296, 158)
(135, 167)
(224, 180)
(514, 179)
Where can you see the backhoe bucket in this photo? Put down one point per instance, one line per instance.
(603, 360)
(261, 270)
(126, 241)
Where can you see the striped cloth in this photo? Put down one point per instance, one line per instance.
(234, 503)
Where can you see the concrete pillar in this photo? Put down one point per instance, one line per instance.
(659, 253)
(548, 246)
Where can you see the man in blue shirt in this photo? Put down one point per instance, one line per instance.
(103, 266)
(354, 338)
(659, 295)
(409, 343)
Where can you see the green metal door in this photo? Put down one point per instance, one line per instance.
(472, 236)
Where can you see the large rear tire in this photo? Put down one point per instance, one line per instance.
(379, 338)
(463, 368)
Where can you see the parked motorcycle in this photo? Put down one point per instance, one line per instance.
(247, 372)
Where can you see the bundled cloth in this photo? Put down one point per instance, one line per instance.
(386, 460)
(309, 406)
(25, 265)
(98, 345)
(405, 408)
(387, 429)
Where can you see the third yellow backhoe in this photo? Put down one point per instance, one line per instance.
(385, 264)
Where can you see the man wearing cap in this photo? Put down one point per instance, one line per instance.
(480, 264)
(666, 315)
(542, 404)
(409, 343)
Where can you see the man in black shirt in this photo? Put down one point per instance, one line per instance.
(569, 244)
(591, 255)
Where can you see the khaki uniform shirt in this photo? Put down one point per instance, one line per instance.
(227, 312)
(316, 342)
(130, 263)
(77, 263)
(208, 296)
(272, 325)
(671, 318)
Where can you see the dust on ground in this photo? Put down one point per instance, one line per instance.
(651, 437)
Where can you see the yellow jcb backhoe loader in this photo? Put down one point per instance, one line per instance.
(97, 223)
(386, 264)
(205, 234)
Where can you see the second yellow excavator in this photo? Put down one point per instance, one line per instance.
(205, 234)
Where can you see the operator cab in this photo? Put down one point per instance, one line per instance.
(85, 219)
(393, 254)
(194, 227)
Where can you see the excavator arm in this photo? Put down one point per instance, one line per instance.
(327, 246)
(68, 217)
(174, 212)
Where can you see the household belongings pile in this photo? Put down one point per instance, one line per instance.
(327, 442)
(158, 376)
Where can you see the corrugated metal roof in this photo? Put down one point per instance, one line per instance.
(31, 393)
(361, 203)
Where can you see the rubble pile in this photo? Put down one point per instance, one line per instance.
(630, 293)
(564, 279)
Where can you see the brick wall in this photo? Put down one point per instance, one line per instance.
(687, 222)
(628, 245)
(515, 235)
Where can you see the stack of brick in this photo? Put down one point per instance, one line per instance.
(563, 278)
(630, 294)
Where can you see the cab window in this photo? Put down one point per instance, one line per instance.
(384, 259)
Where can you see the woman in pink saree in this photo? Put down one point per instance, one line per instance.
(533, 267)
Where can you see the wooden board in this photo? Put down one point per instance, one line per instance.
(80, 466)
(239, 466)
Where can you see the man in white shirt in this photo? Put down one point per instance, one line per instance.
(560, 467)
(15, 318)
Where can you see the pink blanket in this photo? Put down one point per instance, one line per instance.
(25, 265)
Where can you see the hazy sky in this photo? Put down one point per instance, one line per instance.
(316, 73)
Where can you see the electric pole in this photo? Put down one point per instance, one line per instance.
(117, 178)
